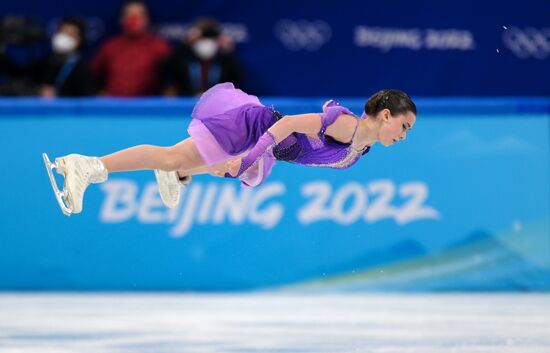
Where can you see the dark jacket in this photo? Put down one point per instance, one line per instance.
(191, 76)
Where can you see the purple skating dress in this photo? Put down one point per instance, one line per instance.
(227, 123)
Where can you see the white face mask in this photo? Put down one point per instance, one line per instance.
(205, 48)
(63, 43)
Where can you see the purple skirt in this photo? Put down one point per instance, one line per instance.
(226, 123)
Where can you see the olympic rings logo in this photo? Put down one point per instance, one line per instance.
(528, 43)
(303, 35)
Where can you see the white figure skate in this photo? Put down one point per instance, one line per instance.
(78, 171)
(170, 186)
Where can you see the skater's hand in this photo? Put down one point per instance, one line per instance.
(233, 166)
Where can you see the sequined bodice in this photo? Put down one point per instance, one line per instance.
(319, 152)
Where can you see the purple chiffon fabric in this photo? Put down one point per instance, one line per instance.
(227, 123)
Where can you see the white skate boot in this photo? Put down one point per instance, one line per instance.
(170, 186)
(79, 171)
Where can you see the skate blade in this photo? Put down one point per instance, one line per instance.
(60, 196)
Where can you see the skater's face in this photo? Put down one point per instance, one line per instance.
(394, 128)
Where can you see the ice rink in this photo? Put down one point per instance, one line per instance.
(378, 323)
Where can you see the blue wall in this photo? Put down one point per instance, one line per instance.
(349, 48)
(463, 204)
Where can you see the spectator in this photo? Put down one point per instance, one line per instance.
(129, 64)
(11, 75)
(22, 43)
(205, 58)
(63, 72)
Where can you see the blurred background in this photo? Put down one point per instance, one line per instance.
(459, 210)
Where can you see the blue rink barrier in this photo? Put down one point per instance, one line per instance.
(462, 204)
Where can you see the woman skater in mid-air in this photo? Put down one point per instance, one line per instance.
(233, 135)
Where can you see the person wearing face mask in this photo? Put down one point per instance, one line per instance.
(129, 64)
(63, 72)
(204, 59)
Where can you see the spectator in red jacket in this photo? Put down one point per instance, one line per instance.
(129, 64)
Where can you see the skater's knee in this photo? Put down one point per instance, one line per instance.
(174, 159)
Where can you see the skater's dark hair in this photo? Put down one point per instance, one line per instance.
(398, 102)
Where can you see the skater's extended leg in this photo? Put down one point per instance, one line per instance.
(218, 170)
(79, 171)
(182, 156)
(170, 182)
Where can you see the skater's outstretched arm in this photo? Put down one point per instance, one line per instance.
(311, 123)
(303, 123)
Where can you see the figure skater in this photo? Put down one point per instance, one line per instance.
(233, 135)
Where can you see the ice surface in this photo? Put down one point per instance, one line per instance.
(381, 323)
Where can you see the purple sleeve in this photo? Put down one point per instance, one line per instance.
(264, 145)
(329, 116)
(333, 103)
